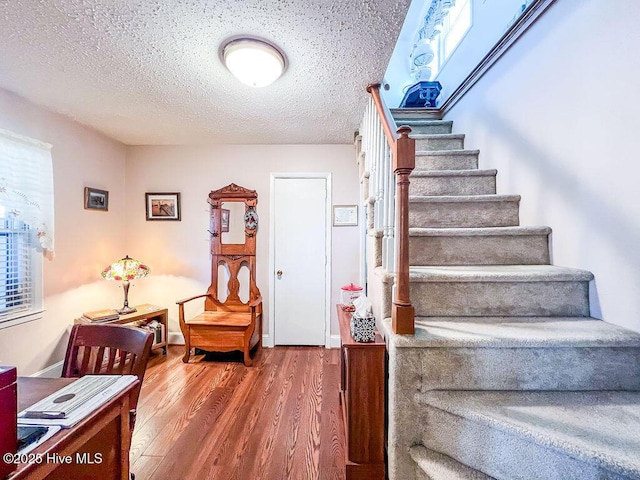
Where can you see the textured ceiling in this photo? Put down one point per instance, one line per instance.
(147, 72)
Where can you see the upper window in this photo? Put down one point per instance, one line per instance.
(455, 24)
(26, 225)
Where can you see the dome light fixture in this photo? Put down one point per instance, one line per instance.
(254, 62)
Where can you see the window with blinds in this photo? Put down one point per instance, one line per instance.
(16, 272)
(26, 226)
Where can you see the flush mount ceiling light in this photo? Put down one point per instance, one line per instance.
(254, 62)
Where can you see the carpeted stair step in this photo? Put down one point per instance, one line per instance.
(536, 435)
(439, 141)
(453, 182)
(512, 353)
(464, 211)
(432, 465)
(429, 127)
(447, 159)
(479, 246)
(500, 290)
(402, 116)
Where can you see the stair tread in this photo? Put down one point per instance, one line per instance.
(454, 173)
(425, 122)
(420, 153)
(498, 273)
(597, 428)
(413, 111)
(478, 231)
(523, 332)
(436, 136)
(491, 197)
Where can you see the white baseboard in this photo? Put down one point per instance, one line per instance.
(176, 338)
(52, 371)
(335, 341)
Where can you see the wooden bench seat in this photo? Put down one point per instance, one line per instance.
(231, 319)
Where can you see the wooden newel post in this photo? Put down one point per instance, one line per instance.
(404, 161)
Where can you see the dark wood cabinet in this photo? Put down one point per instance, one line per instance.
(362, 396)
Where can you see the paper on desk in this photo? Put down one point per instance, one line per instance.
(75, 401)
(51, 431)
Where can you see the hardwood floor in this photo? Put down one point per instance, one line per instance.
(219, 420)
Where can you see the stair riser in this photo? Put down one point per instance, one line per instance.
(437, 143)
(517, 299)
(434, 466)
(454, 185)
(479, 250)
(447, 162)
(429, 129)
(583, 368)
(463, 214)
(512, 457)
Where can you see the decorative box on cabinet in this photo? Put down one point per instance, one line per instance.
(362, 396)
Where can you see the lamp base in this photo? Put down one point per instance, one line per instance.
(126, 310)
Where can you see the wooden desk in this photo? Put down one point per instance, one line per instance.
(362, 396)
(98, 446)
(145, 313)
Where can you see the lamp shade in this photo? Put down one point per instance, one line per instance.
(254, 62)
(125, 269)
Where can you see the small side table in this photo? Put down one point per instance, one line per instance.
(143, 315)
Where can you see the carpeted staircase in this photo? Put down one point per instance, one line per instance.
(507, 376)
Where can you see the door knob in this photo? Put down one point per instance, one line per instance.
(279, 273)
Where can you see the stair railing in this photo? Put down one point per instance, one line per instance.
(390, 150)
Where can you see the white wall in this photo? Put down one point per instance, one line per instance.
(557, 116)
(86, 241)
(178, 252)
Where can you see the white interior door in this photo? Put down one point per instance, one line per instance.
(300, 256)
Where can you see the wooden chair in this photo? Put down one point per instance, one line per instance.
(108, 350)
(228, 324)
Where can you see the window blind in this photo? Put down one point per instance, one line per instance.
(16, 273)
(26, 225)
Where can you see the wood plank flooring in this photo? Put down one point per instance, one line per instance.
(219, 420)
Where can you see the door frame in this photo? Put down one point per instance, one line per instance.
(271, 338)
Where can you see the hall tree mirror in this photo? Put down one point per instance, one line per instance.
(232, 222)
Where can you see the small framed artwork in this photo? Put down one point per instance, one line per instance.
(162, 206)
(225, 219)
(95, 199)
(345, 215)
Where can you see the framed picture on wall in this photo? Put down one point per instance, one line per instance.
(345, 215)
(95, 199)
(162, 206)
